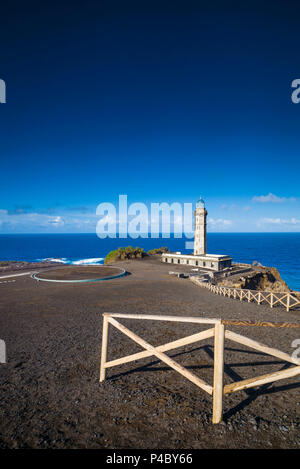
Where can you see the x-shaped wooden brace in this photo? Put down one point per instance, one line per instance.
(217, 332)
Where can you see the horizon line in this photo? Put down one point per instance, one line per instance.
(117, 237)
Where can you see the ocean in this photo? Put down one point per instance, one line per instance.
(280, 250)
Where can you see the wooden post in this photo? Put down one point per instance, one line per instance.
(218, 373)
(259, 298)
(249, 298)
(104, 348)
(272, 299)
(288, 302)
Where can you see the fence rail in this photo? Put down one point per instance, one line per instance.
(288, 300)
(218, 332)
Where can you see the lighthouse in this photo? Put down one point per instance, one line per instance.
(199, 258)
(200, 242)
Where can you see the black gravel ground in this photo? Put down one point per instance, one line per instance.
(50, 393)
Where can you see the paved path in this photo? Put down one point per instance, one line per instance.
(18, 275)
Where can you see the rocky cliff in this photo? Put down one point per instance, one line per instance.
(261, 279)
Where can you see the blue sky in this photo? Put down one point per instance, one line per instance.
(163, 101)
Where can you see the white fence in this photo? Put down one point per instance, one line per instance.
(288, 300)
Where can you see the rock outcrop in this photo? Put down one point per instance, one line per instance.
(262, 279)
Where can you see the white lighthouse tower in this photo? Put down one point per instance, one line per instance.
(200, 242)
(200, 258)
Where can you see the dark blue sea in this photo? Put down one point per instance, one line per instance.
(280, 250)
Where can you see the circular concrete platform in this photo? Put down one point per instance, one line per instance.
(79, 274)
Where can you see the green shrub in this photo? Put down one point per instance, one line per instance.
(122, 254)
(158, 251)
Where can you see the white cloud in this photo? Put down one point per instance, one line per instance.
(272, 198)
(228, 207)
(56, 221)
(280, 221)
(3, 212)
(218, 221)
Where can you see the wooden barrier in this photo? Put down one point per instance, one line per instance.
(218, 390)
(288, 300)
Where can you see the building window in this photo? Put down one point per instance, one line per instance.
(196, 262)
(204, 264)
(166, 259)
(187, 261)
(212, 264)
(178, 261)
